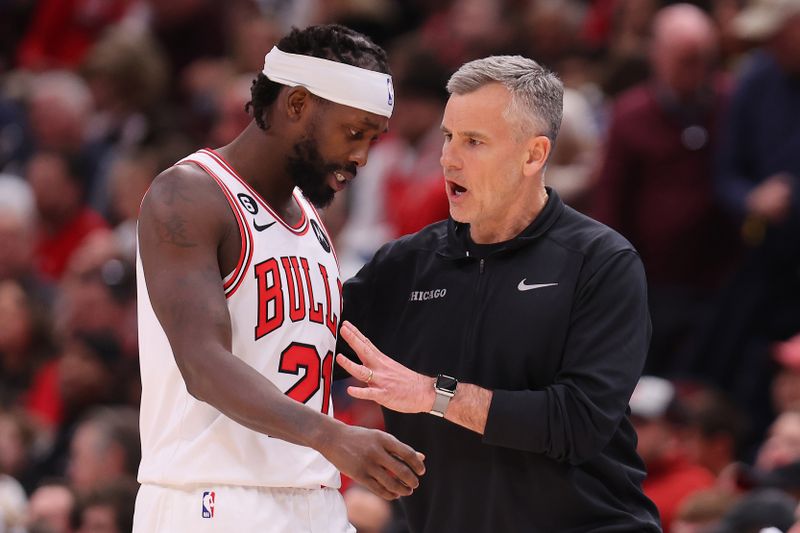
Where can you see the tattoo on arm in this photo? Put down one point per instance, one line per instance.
(172, 191)
(173, 231)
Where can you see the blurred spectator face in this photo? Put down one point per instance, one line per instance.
(702, 510)
(130, 179)
(252, 37)
(125, 72)
(635, 15)
(13, 452)
(551, 27)
(50, 506)
(231, 117)
(98, 519)
(96, 291)
(786, 390)
(16, 321)
(420, 80)
(708, 450)
(656, 439)
(92, 462)
(108, 508)
(714, 426)
(17, 225)
(783, 443)
(683, 49)
(475, 20)
(59, 109)
(418, 115)
(57, 195)
(16, 245)
(90, 306)
(83, 378)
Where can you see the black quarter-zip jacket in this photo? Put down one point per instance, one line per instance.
(555, 323)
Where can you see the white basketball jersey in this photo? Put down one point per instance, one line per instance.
(284, 299)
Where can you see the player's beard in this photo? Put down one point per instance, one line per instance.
(310, 172)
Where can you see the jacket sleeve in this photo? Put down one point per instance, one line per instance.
(573, 419)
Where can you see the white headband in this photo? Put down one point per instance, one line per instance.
(338, 82)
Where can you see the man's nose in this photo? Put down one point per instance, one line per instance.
(449, 158)
(359, 157)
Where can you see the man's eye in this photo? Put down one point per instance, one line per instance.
(448, 137)
(356, 134)
(474, 142)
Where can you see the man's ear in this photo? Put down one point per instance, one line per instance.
(538, 150)
(298, 103)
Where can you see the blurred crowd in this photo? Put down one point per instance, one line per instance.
(681, 130)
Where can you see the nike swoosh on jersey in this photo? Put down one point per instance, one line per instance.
(261, 228)
(525, 287)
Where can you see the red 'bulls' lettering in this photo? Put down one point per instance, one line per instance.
(297, 302)
(314, 308)
(269, 291)
(276, 290)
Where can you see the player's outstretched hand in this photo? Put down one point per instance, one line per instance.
(375, 459)
(388, 383)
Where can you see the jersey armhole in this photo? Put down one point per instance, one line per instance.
(233, 279)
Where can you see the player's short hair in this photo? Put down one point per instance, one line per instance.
(537, 95)
(327, 41)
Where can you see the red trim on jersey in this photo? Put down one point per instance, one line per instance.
(237, 275)
(302, 225)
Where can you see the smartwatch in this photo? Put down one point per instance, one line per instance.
(445, 389)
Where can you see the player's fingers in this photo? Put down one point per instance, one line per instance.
(373, 394)
(390, 483)
(408, 455)
(399, 469)
(366, 393)
(359, 372)
(375, 487)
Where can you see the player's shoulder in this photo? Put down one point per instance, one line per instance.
(184, 187)
(183, 177)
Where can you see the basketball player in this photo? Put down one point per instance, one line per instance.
(240, 302)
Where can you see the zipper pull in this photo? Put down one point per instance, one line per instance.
(480, 268)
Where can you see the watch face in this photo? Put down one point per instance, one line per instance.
(446, 383)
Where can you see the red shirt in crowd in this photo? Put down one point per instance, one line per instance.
(669, 482)
(53, 250)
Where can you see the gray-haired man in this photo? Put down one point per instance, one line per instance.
(519, 322)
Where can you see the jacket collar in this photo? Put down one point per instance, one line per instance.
(454, 244)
